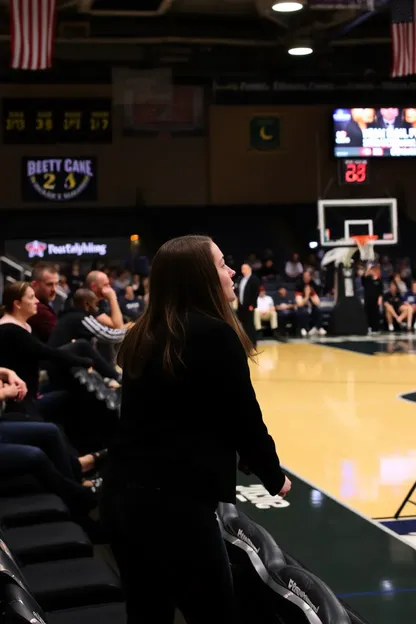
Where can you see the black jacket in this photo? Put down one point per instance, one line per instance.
(251, 292)
(76, 324)
(182, 433)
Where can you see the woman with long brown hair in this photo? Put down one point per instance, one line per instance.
(188, 407)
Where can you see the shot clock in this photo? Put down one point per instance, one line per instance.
(353, 171)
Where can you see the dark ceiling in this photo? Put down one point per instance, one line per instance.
(218, 38)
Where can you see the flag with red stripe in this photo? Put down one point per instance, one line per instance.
(32, 26)
(403, 33)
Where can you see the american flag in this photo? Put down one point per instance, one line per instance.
(403, 33)
(32, 27)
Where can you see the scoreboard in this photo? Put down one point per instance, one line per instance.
(35, 121)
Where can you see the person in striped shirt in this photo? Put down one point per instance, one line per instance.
(80, 322)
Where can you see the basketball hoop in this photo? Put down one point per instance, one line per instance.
(365, 244)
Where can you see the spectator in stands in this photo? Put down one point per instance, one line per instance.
(22, 352)
(285, 307)
(248, 290)
(312, 265)
(45, 280)
(80, 323)
(396, 310)
(293, 268)
(308, 311)
(386, 269)
(63, 283)
(122, 281)
(410, 299)
(265, 311)
(108, 308)
(38, 449)
(137, 284)
(253, 261)
(373, 296)
(400, 283)
(75, 279)
(268, 271)
(130, 305)
(187, 407)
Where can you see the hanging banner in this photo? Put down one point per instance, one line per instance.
(59, 179)
(152, 105)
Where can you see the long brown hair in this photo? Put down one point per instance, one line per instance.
(183, 279)
(13, 292)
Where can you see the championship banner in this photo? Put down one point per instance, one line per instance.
(59, 179)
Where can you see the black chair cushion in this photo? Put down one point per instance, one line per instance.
(102, 614)
(31, 508)
(316, 594)
(237, 525)
(73, 583)
(18, 605)
(14, 486)
(48, 542)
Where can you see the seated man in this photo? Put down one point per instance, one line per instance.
(131, 306)
(396, 310)
(81, 322)
(264, 311)
(45, 280)
(308, 306)
(285, 306)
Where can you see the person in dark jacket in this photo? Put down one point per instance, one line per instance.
(131, 305)
(373, 296)
(79, 325)
(80, 322)
(248, 291)
(182, 424)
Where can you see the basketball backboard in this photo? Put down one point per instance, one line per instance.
(339, 219)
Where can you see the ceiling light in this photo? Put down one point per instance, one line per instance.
(300, 51)
(287, 7)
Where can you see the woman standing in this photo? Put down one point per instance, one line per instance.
(188, 407)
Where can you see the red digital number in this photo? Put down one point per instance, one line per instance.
(355, 173)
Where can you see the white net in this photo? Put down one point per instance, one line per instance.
(366, 249)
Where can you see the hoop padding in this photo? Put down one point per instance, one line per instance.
(339, 255)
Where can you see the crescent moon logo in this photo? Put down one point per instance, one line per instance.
(264, 135)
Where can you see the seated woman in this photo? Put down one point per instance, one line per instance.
(308, 312)
(38, 449)
(22, 352)
(396, 310)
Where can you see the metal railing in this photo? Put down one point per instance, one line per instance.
(12, 270)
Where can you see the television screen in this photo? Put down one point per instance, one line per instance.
(378, 132)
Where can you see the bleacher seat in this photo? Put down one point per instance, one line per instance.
(18, 511)
(270, 585)
(47, 542)
(20, 607)
(64, 584)
(16, 486)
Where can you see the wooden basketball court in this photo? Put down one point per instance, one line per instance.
(338, 412)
